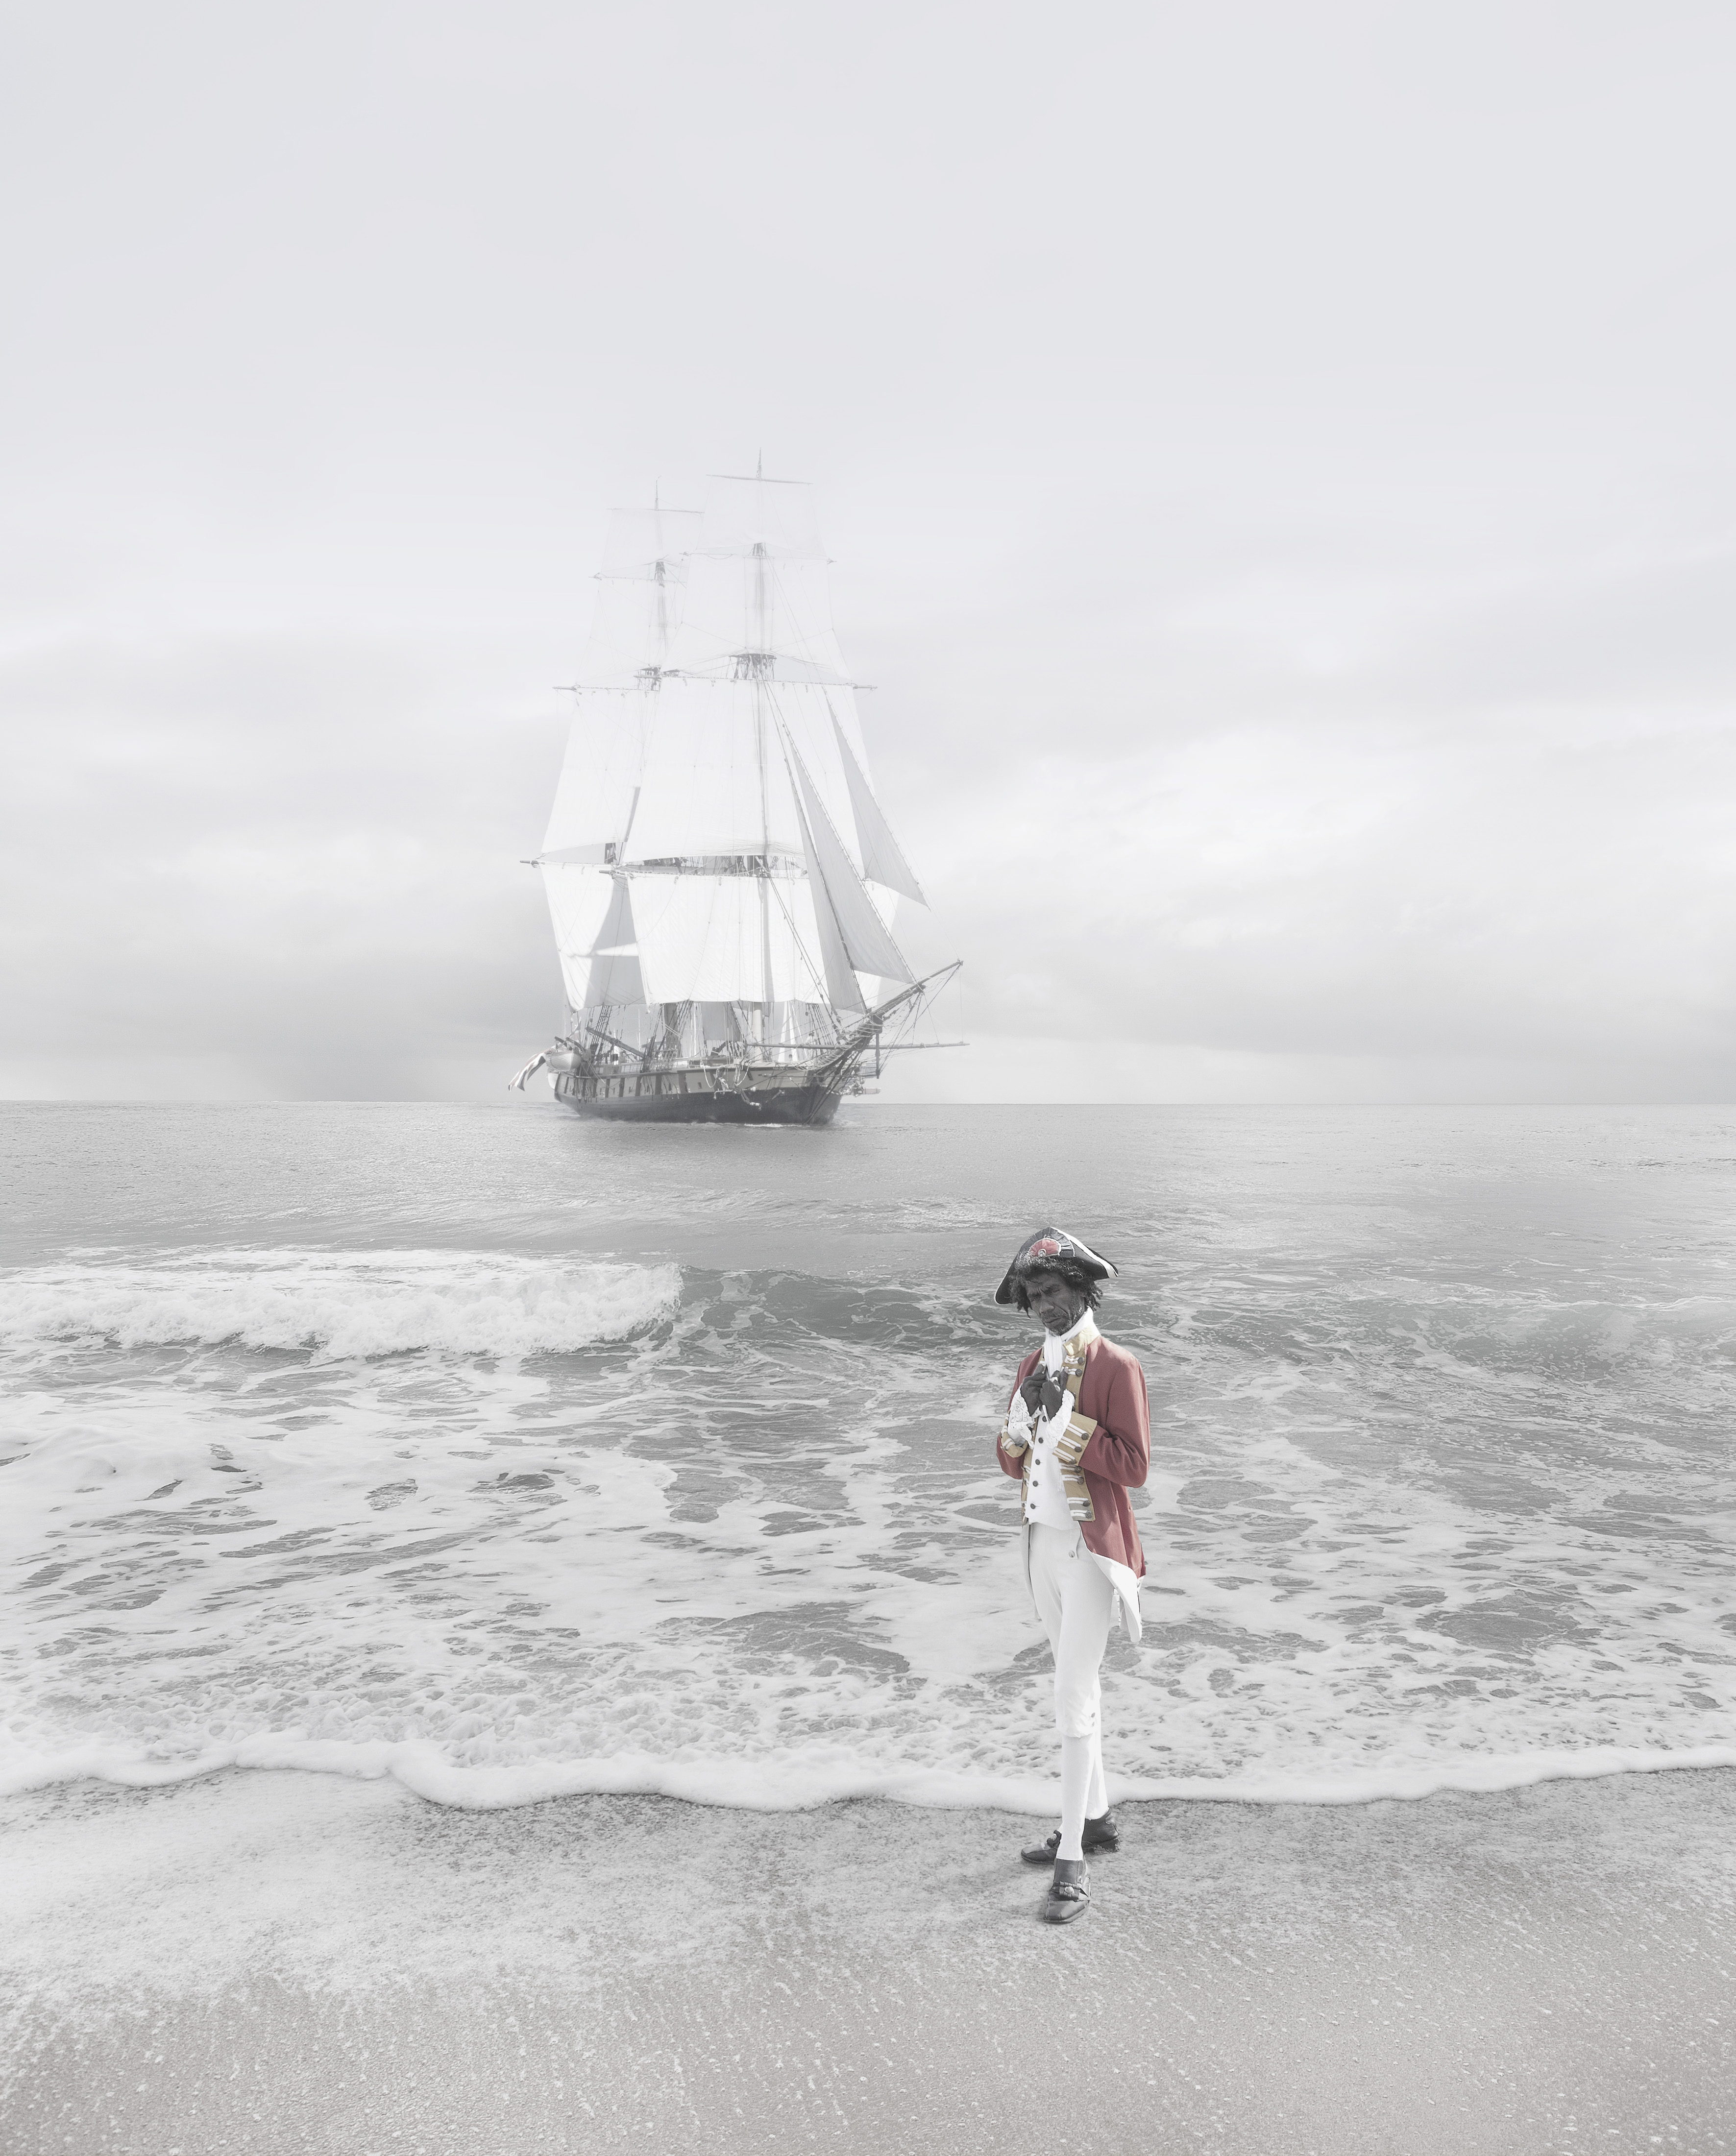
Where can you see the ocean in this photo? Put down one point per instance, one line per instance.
(510, 1456)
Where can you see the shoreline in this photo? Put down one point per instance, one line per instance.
(278, 1961)
(754, 1785)
(776, 1788)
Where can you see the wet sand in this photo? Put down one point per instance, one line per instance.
(280, 1961)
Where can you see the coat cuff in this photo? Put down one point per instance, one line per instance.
(1074, 1439)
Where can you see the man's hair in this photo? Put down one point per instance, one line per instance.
(1075, 1276)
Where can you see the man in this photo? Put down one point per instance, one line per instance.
(1078, 1437)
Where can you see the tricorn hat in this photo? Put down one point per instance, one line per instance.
(1053, 1250)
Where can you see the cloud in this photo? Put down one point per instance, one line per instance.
(1279, 472)
(295, 867)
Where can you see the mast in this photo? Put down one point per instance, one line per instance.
(758, 659)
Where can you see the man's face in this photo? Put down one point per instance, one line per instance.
(1054, 1300)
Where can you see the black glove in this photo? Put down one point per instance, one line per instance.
(1041, 1393)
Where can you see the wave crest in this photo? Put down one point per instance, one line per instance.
(339, 1305)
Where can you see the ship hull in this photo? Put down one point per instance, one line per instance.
(698, 1096)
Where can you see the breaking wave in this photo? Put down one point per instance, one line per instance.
(338, 1305)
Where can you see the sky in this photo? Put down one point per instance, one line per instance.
(1280, 465)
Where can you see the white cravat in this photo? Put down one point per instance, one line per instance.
(1055, 1342)
(1045, 1505)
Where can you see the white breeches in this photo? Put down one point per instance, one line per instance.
(1076, 1601)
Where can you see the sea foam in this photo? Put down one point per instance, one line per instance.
(337, 1304)
(799, 1781)
(1440, 1501)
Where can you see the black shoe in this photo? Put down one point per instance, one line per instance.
(1069, 1892)
(1100, 1833)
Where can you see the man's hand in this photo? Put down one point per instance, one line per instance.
(1042, 1394)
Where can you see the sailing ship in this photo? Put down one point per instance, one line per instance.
(720, 875)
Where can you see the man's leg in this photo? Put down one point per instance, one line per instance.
(1047, 1554)
(1075, 1789)
(1097, 1797)
(1047, 1551)
(1087, 1601)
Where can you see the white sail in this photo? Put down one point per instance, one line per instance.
(882, 857)
(633, 626)
(633, 632)
(865, 936)
(778, 515)
(707, 785)
(842, 985)
(637, 611)
(592, 914)
(758, 587)
(649, 545)
(728, 939)
(779, 612)
(600, 775)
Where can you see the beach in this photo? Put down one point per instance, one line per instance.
(281, 1962)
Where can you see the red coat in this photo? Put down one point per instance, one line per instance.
(1117, 1456)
